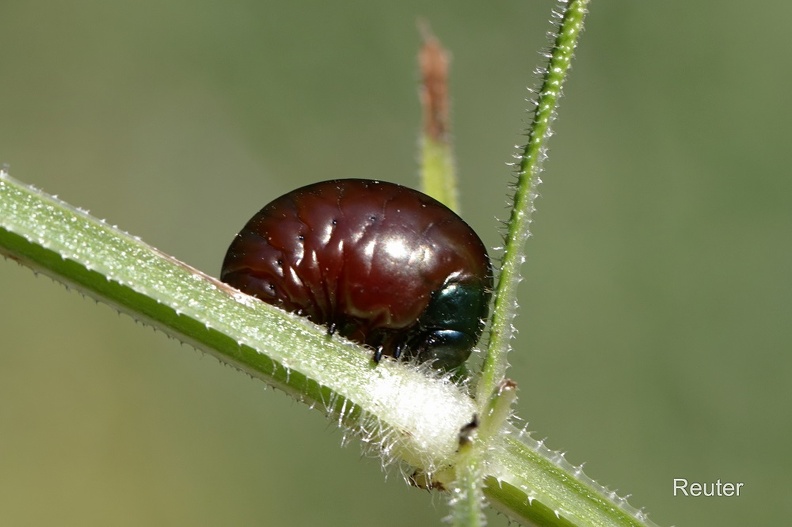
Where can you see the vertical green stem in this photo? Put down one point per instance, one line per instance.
(467, 495)
(530, 166)
(438, 170)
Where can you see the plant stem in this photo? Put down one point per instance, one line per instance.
(528, 169)
(405, 413)
(285, 350)
(467, 497)
(438, 170)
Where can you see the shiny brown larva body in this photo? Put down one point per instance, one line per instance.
(379, 263)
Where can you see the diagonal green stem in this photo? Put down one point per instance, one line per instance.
(529, 168)
(403, 412)
(282, 349)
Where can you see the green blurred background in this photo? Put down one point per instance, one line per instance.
(655, 326)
